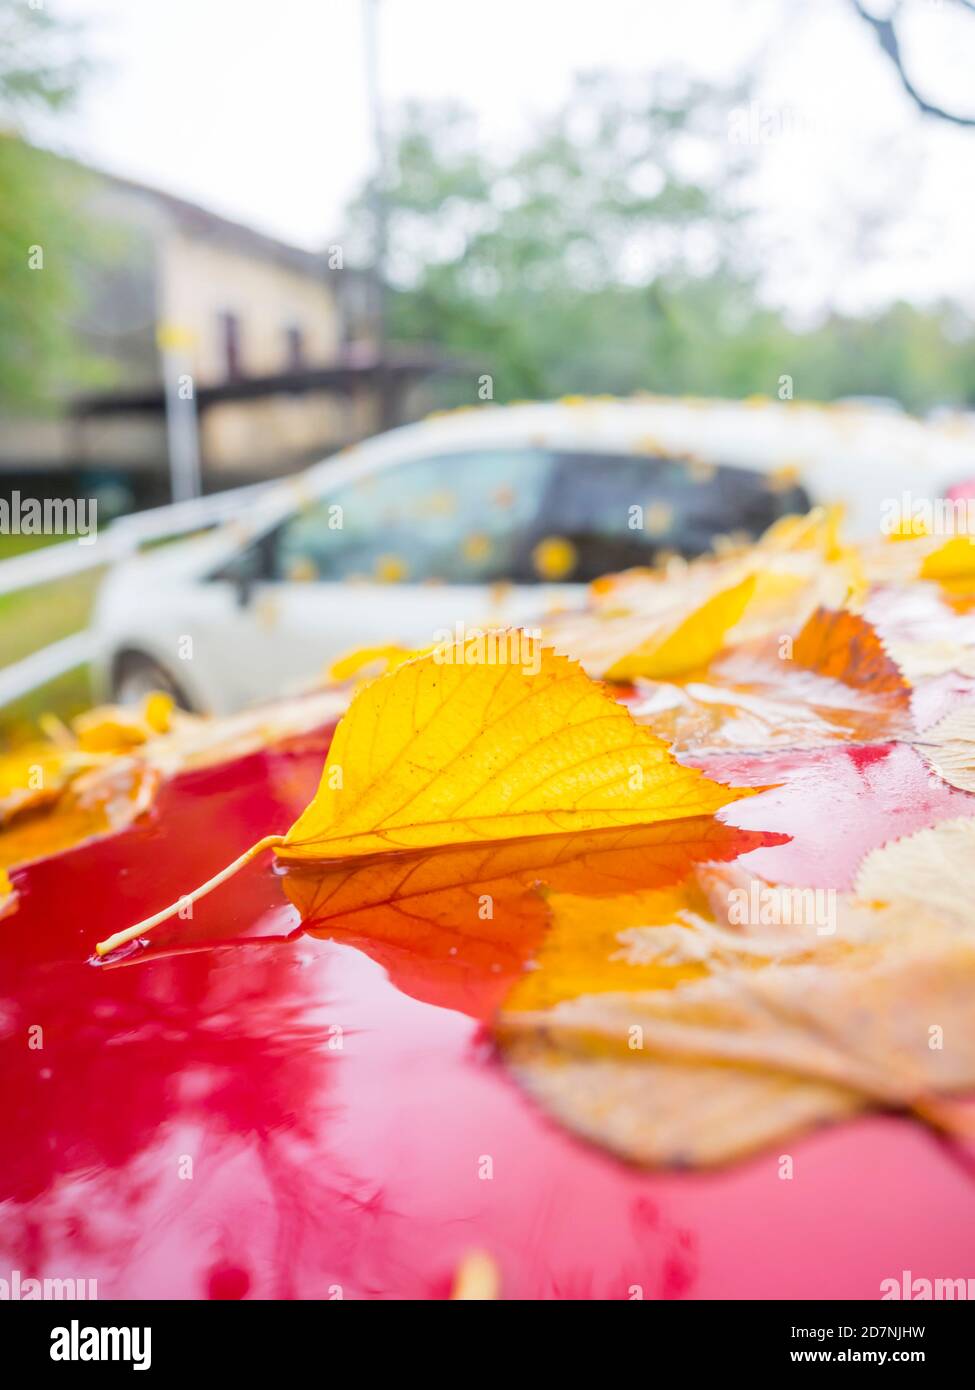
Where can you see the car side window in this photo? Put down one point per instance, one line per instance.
(617, 511)
(457, 518)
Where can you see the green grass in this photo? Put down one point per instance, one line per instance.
(34, 618)
(65, 696)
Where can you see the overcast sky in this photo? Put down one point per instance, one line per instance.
(259, 111)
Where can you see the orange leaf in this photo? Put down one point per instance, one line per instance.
(455, 925)
(845, 647)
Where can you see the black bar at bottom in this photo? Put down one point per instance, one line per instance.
(147, 1338)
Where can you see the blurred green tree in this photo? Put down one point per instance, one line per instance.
(616, 253)
(39, 75)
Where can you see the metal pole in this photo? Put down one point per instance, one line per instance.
(182, 422)
(380, 209)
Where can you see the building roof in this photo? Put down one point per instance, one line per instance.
(197, 220)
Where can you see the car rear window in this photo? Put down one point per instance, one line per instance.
(623, 510)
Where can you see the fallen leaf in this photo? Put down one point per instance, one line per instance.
(116, 729)
(675, 1037)
(442, 752)
(490, 763)
(835, 682)
(455, 925)
(55, 796)
(953, 560)
(949, 747)
(692, 643)
(97, 802)
(931, 868)
(845, 647)
(370, 660)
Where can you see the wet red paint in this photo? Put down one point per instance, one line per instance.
(836, 803)
(319, 1168)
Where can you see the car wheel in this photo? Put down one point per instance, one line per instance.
(135, 676)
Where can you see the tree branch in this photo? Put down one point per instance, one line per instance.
(887, 38)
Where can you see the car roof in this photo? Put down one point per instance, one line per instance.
(758, 433)
(821, 444)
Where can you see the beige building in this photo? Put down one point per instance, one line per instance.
(273, 346)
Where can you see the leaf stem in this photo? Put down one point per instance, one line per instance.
(120, 938)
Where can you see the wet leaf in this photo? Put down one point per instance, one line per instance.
(692, 643)
(843, 646)
(835, 683)
(472, 763)
(455, 925)
(369, 661)
(949, 746)
(676, 1035)
(955, 559)
(57, 795)
(116, 729)
(931, 868)
(96, 802)
(449, 749)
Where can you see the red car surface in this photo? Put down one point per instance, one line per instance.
(243, 1110)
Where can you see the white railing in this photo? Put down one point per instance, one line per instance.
(118, 541)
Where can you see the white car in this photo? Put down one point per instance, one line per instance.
(487, 515)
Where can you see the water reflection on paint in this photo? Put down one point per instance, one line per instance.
(247, 1110)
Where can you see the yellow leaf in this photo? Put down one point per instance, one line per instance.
(675, 651)
(363, 658)
(32, 776)
(440, 751)
(468, 757)
(114, 729)
(391, 569)
(95, 802)
(953, 560)
(157, 710)
(554, 558)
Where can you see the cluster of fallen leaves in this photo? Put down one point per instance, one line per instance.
(534, 819)
(99, 774)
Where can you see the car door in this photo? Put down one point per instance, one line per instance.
(402, 555)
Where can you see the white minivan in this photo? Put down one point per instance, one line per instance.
(494, 515)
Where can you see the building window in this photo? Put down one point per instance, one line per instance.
(230, 340)
(294, 339)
